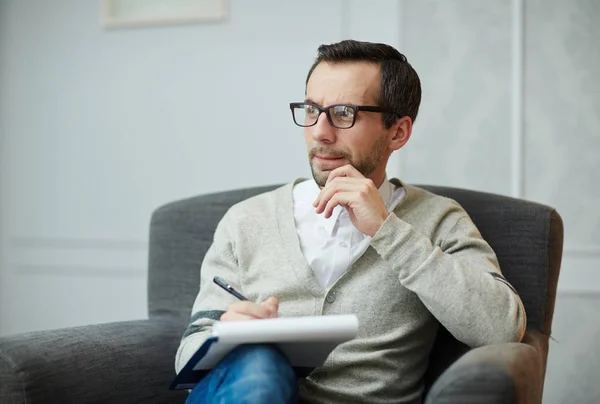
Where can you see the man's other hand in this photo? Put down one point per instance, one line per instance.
(247, 310)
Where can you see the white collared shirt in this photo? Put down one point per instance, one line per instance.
(331, 245)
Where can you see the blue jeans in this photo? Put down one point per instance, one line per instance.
(248, 374)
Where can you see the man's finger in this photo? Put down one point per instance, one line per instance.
(340, 198)
(339, 185)
(272, 300)
(344, 171)
(233, 316)
(328, 188)
(272, 305)
(250, 309)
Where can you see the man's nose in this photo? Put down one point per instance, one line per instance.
(322, 131)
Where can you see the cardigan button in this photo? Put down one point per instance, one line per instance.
(330, 297)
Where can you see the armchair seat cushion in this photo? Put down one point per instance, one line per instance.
(498, 373)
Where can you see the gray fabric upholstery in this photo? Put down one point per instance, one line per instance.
(180, 234)
(500, 373)
(133, 361)
(474, 384)
(126, 362)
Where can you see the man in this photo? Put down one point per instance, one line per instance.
(349, 241)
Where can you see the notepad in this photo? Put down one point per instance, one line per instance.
(306, 341)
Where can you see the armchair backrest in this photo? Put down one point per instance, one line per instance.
(526, 236)
(180, 234)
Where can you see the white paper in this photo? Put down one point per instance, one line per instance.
(306, 341)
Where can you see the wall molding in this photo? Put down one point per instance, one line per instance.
(78, 257)
(582, 293)
(582, 251)
(80, 271)
(517, 96)
(63, 243)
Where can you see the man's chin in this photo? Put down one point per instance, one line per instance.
(320, 176)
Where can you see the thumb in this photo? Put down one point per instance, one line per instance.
(273, 300)
(272, 303)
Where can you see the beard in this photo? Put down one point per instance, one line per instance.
(365, 165)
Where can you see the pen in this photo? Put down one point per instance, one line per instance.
(228, 288)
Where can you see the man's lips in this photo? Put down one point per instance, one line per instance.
(328, 158)
(327, 163)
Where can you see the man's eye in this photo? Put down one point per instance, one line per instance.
(311, 109)
(344, 112)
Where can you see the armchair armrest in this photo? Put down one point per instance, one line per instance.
(498, 373)
(123, 362)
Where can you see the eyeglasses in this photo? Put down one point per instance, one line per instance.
(341, 116)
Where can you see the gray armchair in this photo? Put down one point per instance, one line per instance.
(130, 362)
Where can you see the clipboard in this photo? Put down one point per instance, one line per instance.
(306, 341)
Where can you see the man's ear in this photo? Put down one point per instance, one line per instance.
(401, 131)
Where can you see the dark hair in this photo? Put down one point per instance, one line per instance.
(400, 85)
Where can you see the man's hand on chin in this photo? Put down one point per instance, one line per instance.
(347, 187)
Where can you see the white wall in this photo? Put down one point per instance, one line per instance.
(99, 127)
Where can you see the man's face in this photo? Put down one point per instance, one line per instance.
(365, 145)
